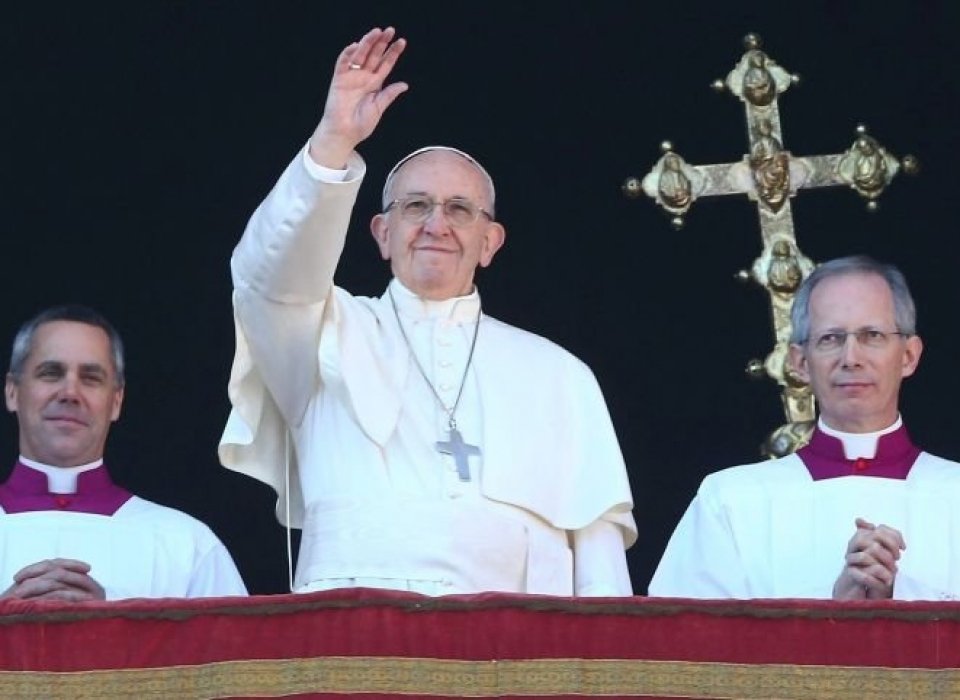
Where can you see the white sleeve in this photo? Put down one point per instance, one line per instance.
(322, 172)
(283, 271)
(905, 587)
(215, 574)
(599, 561)
(701, 559)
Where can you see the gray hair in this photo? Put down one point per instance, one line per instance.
(392, 175)
(904, 310)
(23, 341)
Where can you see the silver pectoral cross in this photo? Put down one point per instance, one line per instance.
(461, 451)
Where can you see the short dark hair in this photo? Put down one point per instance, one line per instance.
(904, 310)
(23, 341)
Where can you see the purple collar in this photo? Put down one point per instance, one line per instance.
(26, 491)
(825, 459)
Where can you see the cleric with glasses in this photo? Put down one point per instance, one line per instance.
(432, 447)
(782, 528)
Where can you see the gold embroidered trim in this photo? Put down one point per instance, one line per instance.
(482, 679)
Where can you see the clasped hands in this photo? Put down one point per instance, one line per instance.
(870, 567)
(55, 579)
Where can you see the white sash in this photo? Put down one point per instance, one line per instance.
(464, 546)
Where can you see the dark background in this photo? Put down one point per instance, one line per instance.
(138, 137)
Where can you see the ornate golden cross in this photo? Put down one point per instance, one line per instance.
(770, 175)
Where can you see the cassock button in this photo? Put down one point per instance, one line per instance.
(62, 502)
(861, 464)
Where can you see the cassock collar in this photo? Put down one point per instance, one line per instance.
(826, 458)
(27, 490)
(458, 309)
(60, 479)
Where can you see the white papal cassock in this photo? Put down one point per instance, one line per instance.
(547, 508)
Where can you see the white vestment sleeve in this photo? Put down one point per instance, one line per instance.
(283, 270)
(216, 575)
(701, 559)
(906, 587)
(600, 564)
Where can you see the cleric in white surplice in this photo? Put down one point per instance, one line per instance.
(67, 532)
(860, 512)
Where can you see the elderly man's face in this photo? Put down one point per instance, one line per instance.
(67, 396)
(436, 259)
(856, 385)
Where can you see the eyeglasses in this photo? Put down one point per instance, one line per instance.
(834, 341)
(458, 211)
